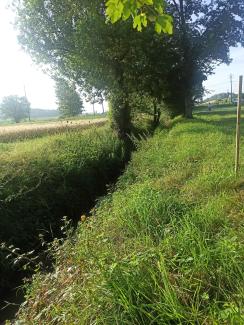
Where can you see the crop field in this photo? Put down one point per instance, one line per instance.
(10, 133)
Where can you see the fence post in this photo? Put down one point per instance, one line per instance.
(237, 160)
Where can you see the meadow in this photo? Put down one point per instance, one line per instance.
(165, 247)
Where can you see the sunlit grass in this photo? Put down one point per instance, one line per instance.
(166, 247)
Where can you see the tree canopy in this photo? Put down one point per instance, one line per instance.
(204, 32)
(73, 38)
(15, 107)
(141, 11)
(68, 99)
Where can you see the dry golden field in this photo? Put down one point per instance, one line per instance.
(17, 132)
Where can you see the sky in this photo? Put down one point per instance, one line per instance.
(220, 81)
(18, 73)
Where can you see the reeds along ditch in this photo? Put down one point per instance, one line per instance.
(44, 179)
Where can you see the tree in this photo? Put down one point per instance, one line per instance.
(73, 37)
(15, 107)
(203, 33)
(92, 96)
(69, 101)
(101, 102)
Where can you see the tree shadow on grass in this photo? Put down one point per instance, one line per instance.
(222, 120)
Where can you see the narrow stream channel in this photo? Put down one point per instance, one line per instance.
(12, 297)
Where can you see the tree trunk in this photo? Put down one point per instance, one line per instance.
(120, 114)
(102, 106)
(187, 68)
(188, 107)
(156, 114)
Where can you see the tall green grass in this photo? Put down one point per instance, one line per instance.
(166, 247)
(42, 180)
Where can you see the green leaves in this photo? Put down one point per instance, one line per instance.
(141, 12)
(115, 10)
(164, 23)
(140, 20)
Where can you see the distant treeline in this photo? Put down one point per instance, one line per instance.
(222, 96)
(44, 113)
(38, 113)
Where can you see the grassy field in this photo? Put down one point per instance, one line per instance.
(166, 247)
(31, 130)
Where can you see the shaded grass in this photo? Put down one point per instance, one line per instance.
(166, 247)
(42, 180)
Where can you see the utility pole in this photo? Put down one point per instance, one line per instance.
(238, 121)
(27, 100)
(231, 96)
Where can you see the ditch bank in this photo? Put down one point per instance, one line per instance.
(42, 181)
(166, 247)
